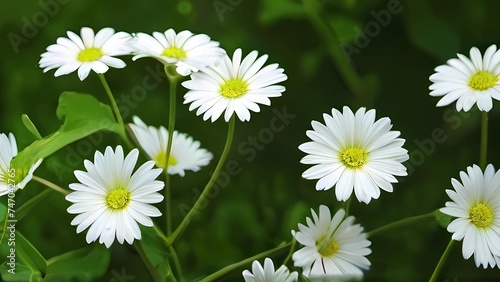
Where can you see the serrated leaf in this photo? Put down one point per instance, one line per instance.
(83, 115)
(30, 126)
(30, 256)
(86, 264)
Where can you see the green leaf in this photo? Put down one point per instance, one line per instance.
(156, 251)
(86, 264)
(20, 273)
(29, 255)
(30, 126)
(83, 115)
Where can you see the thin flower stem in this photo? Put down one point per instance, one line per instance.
(114, 106)
(50, 185)
(177, 265)
(152, 270)
(403, 222)
(173, 78)
(289, 256)
(194, 210)
(226, 270)
(346, 70)
(484, 140)
(441, 262)
(347, 206)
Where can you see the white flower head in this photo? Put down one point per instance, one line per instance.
(333, 247)
(468, 81)
(354, 152)
(189, 52)
(268, 274)
(111, 199)
(12, 179)
(86, 52)
(476, 206)
(185, 153)
(234, 86)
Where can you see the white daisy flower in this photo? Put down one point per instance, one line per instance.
(12, 179)
(476, 204)
(468, 81)
(189, 52)
(86, 52)
(185, 153)
(110, 199)
(354, 152)
(267, 274)
(333, 247)
(234, 87)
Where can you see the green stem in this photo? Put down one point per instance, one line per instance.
(484, 140)
(185, 222)
(50, 185)
(114, 106)
(345, 69)
(177, 265)
(226, 270)
(403, 222)
(347, 206)
(152, 270)
(441, 262)
(289, 256)
(173, 78)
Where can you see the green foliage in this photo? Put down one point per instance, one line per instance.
(30, 256)
(82, 114)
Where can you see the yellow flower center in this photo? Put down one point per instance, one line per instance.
(174, 52)
(354, 157)
(234, 88)
(161, 159)
(481, 215)
(118, 199)
(328, 248)
(90, 54)
(483, 80)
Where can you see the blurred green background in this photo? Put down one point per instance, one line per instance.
(387, 69)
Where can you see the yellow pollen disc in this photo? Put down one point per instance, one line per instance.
(354, 157)
(234, 88)
(327, 249)
(174, 52)
(90, 54)
(161, 159)
(483, 80)
(118, 199)
(481, 215)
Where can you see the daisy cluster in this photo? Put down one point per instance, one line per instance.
(352, 153)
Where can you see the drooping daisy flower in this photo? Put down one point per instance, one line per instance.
(354, 152)
(267, 274)
(333, 247)
(476, 204)
(111, 200)
(185, 153)
(189, 52)
(86, 52)
(234, 86)
(468, 81)
(12, 179)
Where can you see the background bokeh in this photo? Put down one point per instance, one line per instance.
(387, 69)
